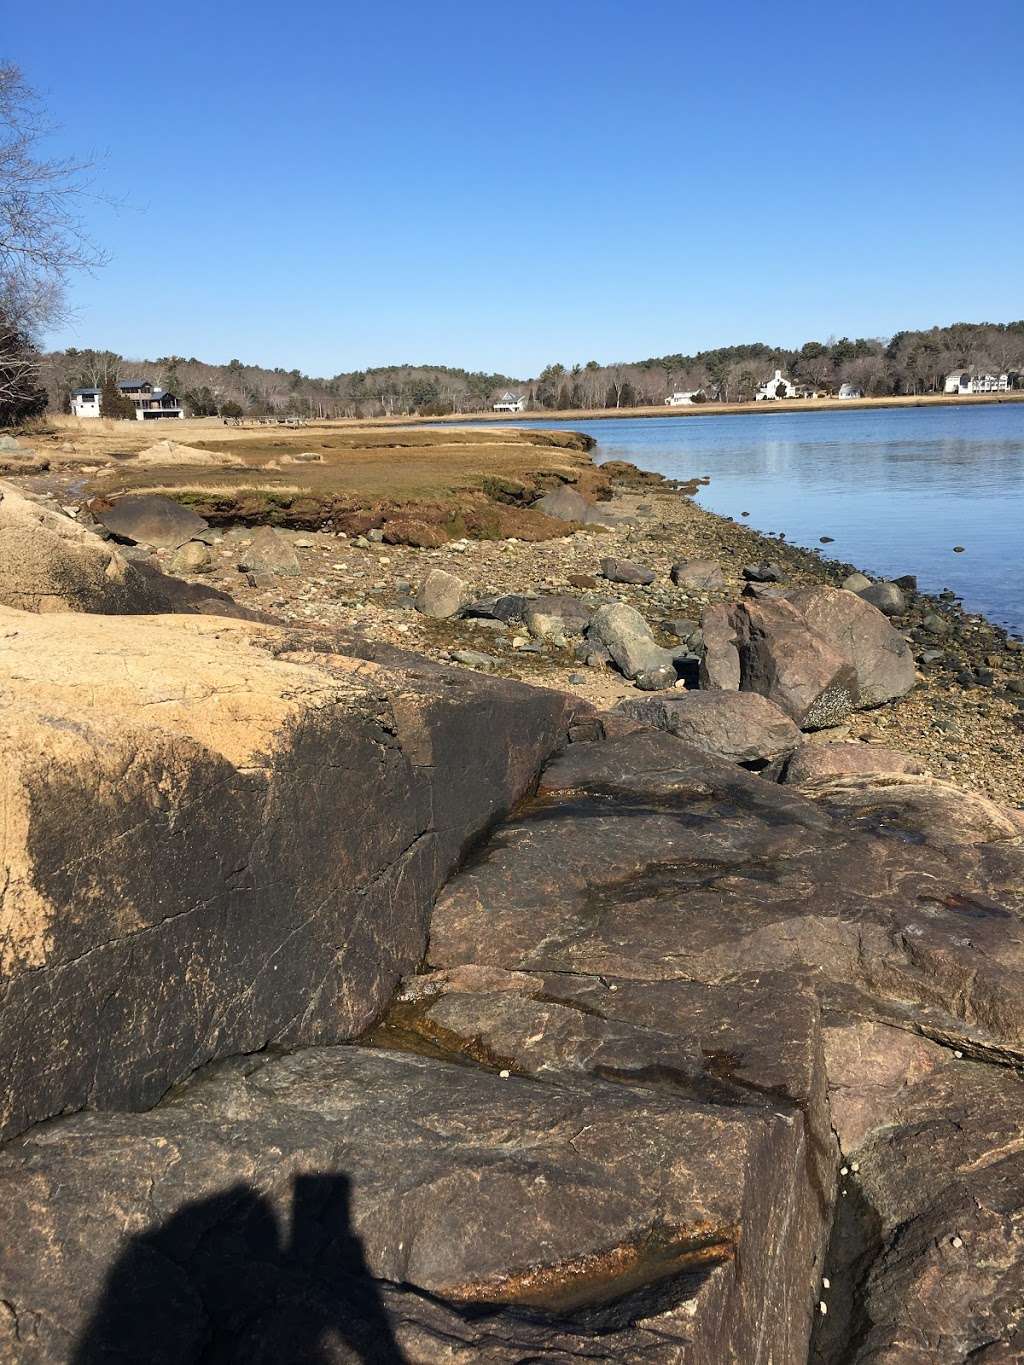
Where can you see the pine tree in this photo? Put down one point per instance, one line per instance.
(113, 403)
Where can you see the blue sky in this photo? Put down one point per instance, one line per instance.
(330, 185)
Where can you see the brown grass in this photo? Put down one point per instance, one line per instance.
(358, 462)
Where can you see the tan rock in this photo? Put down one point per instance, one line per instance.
(210, 842)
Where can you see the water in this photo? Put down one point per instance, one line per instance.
(896, 488)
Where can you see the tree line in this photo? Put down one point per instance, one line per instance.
(911, 362)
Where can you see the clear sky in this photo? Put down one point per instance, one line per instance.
(333, 185)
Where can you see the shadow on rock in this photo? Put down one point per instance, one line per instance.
(220, 1282)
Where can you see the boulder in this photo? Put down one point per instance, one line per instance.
(740, 727)
(764, 572)
(51, 563)
(887, 597)
(720, 656)
(573, 614)
(627, 637)
(625, 571)
(656, 679)
(219, 835)
(566, 504)
(270, 553)
(703, 575)
(882, 659)
(791, 664)
(148, 519)
(856, 582)
(825, 762)
(817, 653)
(192, 558)
(441, 594)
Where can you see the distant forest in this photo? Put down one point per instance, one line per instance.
(908, 363)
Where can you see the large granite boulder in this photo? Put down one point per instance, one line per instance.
(739, 726)
(793, 665)
(817, 653)
(148, 519)
(218, 836)
(883, 660)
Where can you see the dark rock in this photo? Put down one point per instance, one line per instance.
(907, 581)
(148, 519)
(763, 573)
(763, 591)
(507, 608)
(624, 571)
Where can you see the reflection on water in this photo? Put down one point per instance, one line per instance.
(897, 488)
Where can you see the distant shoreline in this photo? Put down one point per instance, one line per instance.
(724, 409)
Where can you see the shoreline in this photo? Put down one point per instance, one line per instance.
(965, 718)
(777, 405)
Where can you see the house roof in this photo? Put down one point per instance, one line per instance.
(83, 393)
(123, 384)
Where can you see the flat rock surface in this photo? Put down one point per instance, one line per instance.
(381, 1206)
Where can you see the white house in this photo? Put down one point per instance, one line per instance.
(681, 400)
(85, 403)
(510, 402)
(850, 391)
(776, 387)
(150, 403)
(963, 381)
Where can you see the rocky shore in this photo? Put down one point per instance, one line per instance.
(362, 1003)
(964, 717)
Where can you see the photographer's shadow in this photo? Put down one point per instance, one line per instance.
(219, 1283)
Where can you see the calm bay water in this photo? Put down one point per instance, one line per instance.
(897, 488)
